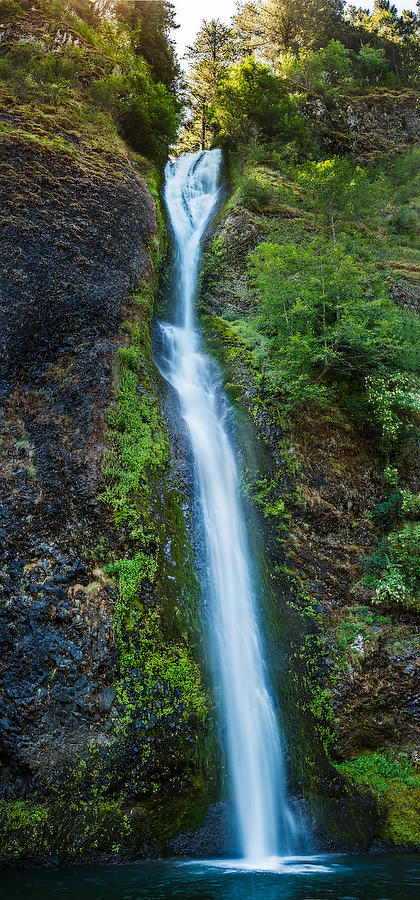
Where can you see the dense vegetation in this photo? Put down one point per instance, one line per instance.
(92, 73)
(320, 320)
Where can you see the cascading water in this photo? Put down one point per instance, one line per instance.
(256, 769)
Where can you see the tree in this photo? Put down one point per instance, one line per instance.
(319, 70)
(397, 35)
(326, 318)
(253, 100)
(151, 24)
(336, 189)
(211, 52)
(371, 62)
(144, 111)
(270, 27)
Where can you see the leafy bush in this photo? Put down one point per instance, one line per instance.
(393, 570)
(101, 66)
(144, 111)
(319, 70)
(371, 63)
(406, 219)
(256, 192)
(391, 396)
(337, 190)
(333, 69)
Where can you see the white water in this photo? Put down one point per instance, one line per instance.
(254, 752)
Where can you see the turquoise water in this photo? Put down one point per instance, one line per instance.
(331, 877)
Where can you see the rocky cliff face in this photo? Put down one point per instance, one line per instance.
(102, 700)
(370, 124)
(75, 242)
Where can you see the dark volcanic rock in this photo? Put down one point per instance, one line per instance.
(75, 236)
(74, 242)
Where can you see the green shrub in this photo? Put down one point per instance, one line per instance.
(256, 192)
(8, 9)
(337, 190)
(393, 396)
(253, 103)
(144, 111)
(322, 70)
(383, 764)
(393, 570)
(371, 63)
(101, 68)
(327, 318)
(406, 219)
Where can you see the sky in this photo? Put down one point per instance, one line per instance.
(190, 13)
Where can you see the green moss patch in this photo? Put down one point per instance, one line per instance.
(395, 785)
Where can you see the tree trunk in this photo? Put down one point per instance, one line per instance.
(203, 129)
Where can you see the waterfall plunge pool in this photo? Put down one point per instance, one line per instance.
(322, 877)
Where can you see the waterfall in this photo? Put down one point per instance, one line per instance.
(253, 745)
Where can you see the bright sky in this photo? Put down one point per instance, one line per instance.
(190, 14)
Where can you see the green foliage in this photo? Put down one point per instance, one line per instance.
(144, 111)
(271, 27)
(381, 765)
(395, 785)
(253, 103)
(211, 52)
(267, 494)
(131, 574)
(158, 674)
(338, 190)
(397, 577)
(406, 219)
(256, 192)
(40, 831)
(151, 25)
(335, 69)
(393, 569)
(315, 698)
(100, 64)
(356, 621)
(325, 317)
(325, 70)
(371, 63)
(404, 174)
(395, 35)
(396, 502)
(392, 395)
(138, 441)
(324, 48)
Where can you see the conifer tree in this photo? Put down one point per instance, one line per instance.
(270, 27)
(151, 25)
(211, 52)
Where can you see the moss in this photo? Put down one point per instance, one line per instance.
(137, 438)
(73, 831)
(395, 785)
(165, 742)
(154, 641)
